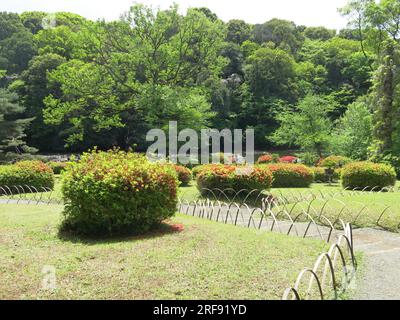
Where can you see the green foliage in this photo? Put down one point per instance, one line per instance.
(12, 127)
(238, 31)
(136, 79)
(113, 193)
(334, 162)
(32, 90)
(353, 133)
(184, 174)
(233, 177)
(57, 167)
(270, 72)
(27, 173)
(284, 34)
(90, 83)
(368, 175)
(16, 43)
(308, 158)
(319, 33)
(320, 175)
(291, 175)
(308, 126)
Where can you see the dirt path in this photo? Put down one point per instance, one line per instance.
(380, 279)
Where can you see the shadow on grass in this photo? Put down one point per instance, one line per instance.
(160, 230)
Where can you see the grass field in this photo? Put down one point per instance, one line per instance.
(206, 260)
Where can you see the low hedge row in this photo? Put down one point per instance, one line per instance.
(288, 175)
(234, 177)
(31, 173)
(368, 175)
(113, 193)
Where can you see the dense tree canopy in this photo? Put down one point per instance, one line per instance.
(87, 83)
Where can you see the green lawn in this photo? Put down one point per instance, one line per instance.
(362, 210)
(207, 260)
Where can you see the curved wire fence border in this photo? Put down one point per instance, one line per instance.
(25, 194)
(212, 209)
(293, 198)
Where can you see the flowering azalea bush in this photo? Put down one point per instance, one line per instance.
(291, 175)
(288, 159)
(334, 162)
(113, 193)
(267, 158)
(234, 177)
(27, 173)
(368, 174)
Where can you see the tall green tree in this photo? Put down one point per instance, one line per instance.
(12, 127)
(307, 126)
(353, 133)
(132, 70)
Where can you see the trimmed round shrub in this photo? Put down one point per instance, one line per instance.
(116, 193)
(184, 174)
(334, 162)
(57, 167)
(368, 175)
(268, 158)
(234, 177)
(32, 173)
(320, 175)
(291, 175)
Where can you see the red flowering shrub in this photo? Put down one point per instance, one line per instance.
(184, 174)
(266, 158)
(288, 159)
(291, 175)
(112, 193)
(233, 177)
(31, 173)
(368, 174)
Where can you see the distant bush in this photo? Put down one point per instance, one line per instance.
(57, 167)
(288, 159)
(114, 193)
(368, 175)
(233, 177)
(291, 175)
(184, 174)
(268, 158)
(334, 162)
(320, 175)
(308, 158)
(31, 173)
